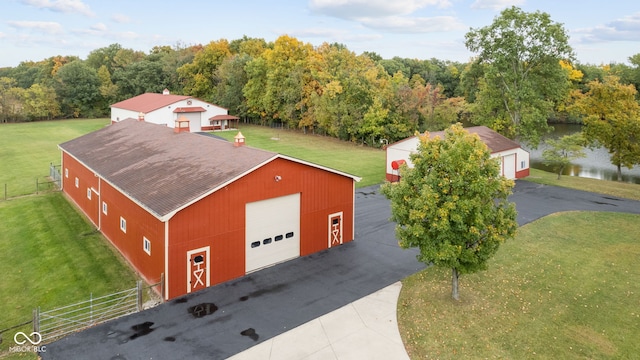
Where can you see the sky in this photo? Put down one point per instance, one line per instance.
(32, 30)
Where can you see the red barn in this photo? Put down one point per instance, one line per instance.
(201, 210)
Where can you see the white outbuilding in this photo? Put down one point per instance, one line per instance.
(514, 160)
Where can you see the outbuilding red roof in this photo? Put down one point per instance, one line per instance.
(495, 141)
(149, 101)
(191, 109)
(223, 117)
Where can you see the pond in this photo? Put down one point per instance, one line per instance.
(596, 164)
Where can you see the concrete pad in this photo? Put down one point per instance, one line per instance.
(364, 329)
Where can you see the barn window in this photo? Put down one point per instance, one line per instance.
(523, 164)
(89, 193)
(77, 182)
(123, 225)
(66, 172)
(104, 208)
(289, 235)
(279, 237)
(146, 245)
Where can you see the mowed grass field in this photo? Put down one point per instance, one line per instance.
(50, 256)
(27, 149)
(567, 287)
(364, 162)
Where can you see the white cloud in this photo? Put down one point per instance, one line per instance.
(627, 23)
(63, 6)
(121, 18)
(47, 27)
(495, 4)
(99, 27)
(332, 35)
(389, 16)
(623, 29)
(405, 24)
(355, 9)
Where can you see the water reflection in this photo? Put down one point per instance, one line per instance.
(595, 165)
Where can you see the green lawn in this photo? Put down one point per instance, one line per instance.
(365, 162)
(620, 189)
(567, 287)
(28, 148)
(51, 256)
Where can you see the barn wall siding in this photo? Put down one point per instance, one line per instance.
(218, 220)
(86, 180)
(139, 222)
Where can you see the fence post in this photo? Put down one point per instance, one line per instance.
(139, 294)
(162, 286)
(36, 319)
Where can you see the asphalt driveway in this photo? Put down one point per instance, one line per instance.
(226, 319)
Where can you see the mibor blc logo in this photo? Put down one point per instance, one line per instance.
(26, 343)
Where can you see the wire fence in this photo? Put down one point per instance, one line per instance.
(47, 326)
(56, 323)
(38, 185)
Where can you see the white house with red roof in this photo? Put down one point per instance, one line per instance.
(182, 111)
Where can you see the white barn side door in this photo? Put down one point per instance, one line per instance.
(198, 269)
(335, 229)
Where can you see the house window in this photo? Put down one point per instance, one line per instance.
(77, 182)
(146, 244)
(104, 208)
(89, 193)
(66, 173)
(523, 164)
(123, 225)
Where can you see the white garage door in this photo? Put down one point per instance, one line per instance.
(509, 166)
(272, 231)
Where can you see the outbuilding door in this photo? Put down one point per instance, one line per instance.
(509, 166)
(272, 231)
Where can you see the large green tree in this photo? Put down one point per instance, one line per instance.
(78, 88)
(452, 205)
(523, 78)
(612, 118)
(198, 76)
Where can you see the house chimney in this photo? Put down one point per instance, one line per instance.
(140, 116)
(165, 92)
(238, 140)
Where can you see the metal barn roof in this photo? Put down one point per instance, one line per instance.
(164, 171)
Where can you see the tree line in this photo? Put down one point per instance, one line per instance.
(515, 84)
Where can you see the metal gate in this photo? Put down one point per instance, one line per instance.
(59, 322)
(54, 174)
